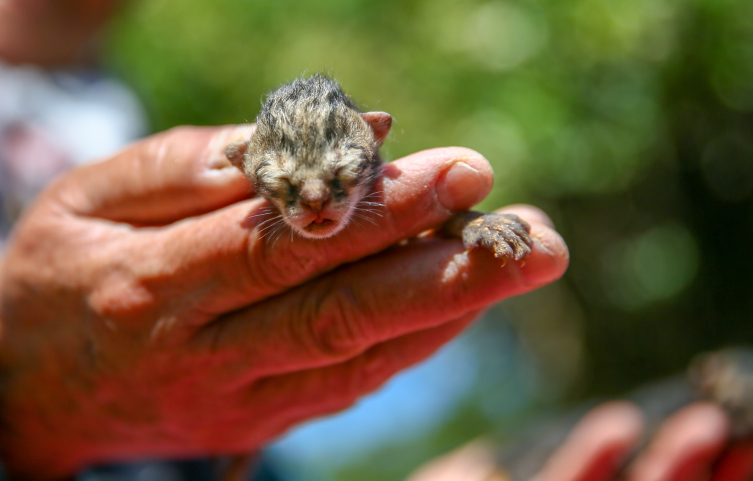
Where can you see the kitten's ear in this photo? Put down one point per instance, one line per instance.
(380, 123)
(235, 153)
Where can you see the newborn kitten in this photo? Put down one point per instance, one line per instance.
(315, 157)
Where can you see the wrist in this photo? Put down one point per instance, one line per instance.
(30, 445)
(37, 440)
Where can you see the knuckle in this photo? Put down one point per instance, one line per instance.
(257, 266)
(286, 265)
(178, 144)
(340, 395)
(341, 391)
(390, 224)
(378, 368)
(293, 264)
(336, 326)
(121, 298)
(339, 403)
(127, 291)
(360, 377)
(154, 147)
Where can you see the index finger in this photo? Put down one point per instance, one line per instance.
(227, 262)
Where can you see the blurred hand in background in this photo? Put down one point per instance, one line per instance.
(691, 445)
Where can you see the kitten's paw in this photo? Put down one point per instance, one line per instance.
(506, 235)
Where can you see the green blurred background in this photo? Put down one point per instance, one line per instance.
(629, 121)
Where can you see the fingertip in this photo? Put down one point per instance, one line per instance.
(621, 419)
(472, 462)
(686, 445)
(465, 180)
(549, 257)
(703, 422)
(597, 446)
(529, 213)
(461, 177)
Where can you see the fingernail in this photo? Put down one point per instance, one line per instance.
(548, 261)
(461, 187)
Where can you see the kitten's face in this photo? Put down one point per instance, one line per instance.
(314, 175)
(317, 199)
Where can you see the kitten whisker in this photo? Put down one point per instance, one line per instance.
(370, 211)
(269, 220)
(262, 210)
(272, 228)
(373, 194)
(281, 232)
(275, 218)
(268, 235)
(356, 215)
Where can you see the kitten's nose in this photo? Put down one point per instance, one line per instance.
(314, 194)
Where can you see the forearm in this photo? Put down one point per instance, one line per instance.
(27, 448)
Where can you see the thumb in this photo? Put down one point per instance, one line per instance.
(164, 178)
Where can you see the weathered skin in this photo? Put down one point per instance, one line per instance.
(143, 315)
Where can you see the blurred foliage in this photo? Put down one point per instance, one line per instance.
(629, 121)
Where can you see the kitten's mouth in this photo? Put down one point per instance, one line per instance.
(318, 225)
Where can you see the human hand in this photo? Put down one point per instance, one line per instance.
(688, 446)
(145, 314)
(691, 445)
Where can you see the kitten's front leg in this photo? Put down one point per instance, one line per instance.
(506, 235)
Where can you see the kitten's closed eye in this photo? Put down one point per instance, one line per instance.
(348, 176)
(280, 187)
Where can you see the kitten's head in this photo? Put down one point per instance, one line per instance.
(317, 172)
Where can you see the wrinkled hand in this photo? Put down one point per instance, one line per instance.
(144, 312)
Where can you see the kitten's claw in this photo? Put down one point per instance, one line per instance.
(506, 235)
